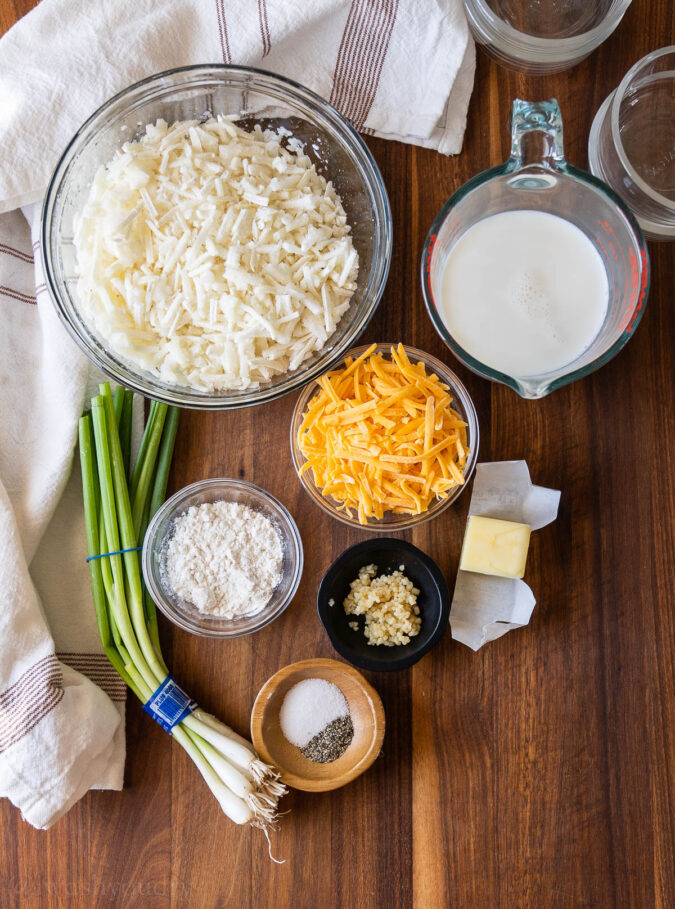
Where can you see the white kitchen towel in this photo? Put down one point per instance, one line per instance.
(60, 732)
(402, 69)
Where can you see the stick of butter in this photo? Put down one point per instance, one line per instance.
(495, 547)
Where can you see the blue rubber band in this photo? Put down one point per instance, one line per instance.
(103, 555)
(169, 705)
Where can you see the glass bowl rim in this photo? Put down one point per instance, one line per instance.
(460, 394)
(519, 45)
(614, 105)
(363, 162)
(225, 627)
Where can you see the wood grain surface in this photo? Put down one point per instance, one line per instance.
(538, 772)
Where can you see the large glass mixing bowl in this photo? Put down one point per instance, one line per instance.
(197, 92)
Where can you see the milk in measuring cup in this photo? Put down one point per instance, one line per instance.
(524, 292)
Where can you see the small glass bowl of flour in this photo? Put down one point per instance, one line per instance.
(222, 558)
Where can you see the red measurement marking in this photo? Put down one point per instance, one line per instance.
(432, 241)
(643, 285)
(634, 272)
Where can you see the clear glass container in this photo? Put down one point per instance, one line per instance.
(537, 177)
(542, 36)
(197, 92)
(631, 145)
(160, 530)
(461, 402)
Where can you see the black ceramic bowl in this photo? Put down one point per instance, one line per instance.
(388, 554)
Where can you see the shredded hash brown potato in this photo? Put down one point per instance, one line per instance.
(381, 436)
(214, 257)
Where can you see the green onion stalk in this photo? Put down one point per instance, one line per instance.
(119, 502)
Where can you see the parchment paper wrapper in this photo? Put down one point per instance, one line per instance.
(485, 607)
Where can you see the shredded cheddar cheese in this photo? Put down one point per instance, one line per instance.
(381, 435)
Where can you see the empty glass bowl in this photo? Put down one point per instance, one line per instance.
(542, 36)
(160, 530)
(461, 402)
(631, 145)
(196, 92)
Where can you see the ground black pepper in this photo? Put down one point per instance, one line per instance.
(331, 743)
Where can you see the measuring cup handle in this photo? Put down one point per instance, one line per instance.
(536, 117)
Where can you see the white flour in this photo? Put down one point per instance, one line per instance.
(224, 558)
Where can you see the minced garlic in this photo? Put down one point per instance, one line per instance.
(389, 604)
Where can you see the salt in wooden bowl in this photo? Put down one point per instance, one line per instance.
(365, 708)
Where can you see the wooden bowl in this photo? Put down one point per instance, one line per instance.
(298, 771)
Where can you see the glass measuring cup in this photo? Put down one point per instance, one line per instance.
(538, 178)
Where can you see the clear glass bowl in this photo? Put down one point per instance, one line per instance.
(159, 532)
(535, 37)
(195, 92)
(632, 141)
(461, 402)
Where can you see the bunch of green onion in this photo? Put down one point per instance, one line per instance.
(119, 501)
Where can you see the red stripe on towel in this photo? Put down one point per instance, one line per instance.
(29, 699)
(16, 253)
(383, 28)
(16, 295)
(99, 670)
(363, 48)
(222, 32)
(34, 677)
(345, 52)
(355, 78)
(264, 27)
